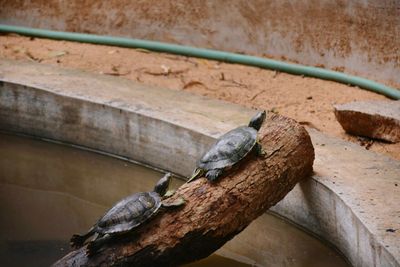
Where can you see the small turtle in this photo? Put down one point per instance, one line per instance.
(229, 149)
(126, 215)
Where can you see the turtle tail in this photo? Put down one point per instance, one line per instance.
(196, 174)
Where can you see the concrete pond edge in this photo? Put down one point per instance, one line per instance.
(353, 208)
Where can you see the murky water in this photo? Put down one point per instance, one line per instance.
(49, 191)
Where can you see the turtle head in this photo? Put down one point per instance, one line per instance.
(257, 120)
(163, 184)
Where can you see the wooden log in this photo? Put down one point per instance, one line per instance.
(214, 212)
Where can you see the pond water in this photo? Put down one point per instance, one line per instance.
(50, 191)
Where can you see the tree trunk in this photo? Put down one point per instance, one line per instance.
(214, 212)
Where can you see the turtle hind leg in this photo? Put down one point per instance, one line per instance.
(180, 201)
(259, 150)
(77, 241)
(212, 175)
(196, 174)
(94, 246)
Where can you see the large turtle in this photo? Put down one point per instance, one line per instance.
(126, 215)
(229, 149)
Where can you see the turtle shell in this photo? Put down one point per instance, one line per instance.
(229, 148)
(129, 213)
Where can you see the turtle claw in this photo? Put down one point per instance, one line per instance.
(169, 193)
(77, 241)
(94, 246)
(212, 175)
(263, 152)
(260, 151)
(180, 201)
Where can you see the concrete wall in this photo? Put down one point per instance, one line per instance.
(113, 115)
(355, 36)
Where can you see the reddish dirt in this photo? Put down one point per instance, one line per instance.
(307, 100)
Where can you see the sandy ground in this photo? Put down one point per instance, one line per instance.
(307, 100)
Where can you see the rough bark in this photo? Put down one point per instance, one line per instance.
(215, 212)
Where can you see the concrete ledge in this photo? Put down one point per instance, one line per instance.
(113, 115)
(352, 200)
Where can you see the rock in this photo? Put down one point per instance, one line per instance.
(374, 119)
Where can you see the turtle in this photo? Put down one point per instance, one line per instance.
(229, 149)
(126, 215)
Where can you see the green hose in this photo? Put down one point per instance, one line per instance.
(209, 54)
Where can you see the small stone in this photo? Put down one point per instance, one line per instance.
(373, 119)
(390, 230)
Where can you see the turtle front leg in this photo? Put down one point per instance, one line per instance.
(212, 175)
(77, 241)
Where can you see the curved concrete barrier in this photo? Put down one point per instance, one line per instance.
(162, 128)
(351, 200)
(353, 206)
